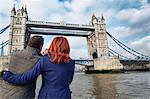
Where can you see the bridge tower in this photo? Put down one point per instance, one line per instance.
(17, 29)
(98, 47)
(97, 41)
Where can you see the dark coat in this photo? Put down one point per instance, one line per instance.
(56, 78)
(20, 62)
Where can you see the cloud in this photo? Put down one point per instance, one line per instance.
(135, 22)
(135, 16)
(142, 45)
(123, 32)
(39, 9)
(82, 6)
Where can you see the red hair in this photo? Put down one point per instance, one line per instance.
(59, 50)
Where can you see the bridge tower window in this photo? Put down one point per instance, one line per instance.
(94, 55)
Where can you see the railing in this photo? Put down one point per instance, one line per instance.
(85, 62)
(87, 25)
(72, 24)
(135, 61)
(35, 21)
(56, 23)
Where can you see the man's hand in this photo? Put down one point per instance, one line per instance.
(2, 72)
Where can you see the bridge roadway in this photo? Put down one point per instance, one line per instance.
(135, 61)
(85, 62)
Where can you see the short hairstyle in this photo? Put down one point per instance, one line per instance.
(59, 50)
(36, 42)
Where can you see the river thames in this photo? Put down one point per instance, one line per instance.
(128, 85)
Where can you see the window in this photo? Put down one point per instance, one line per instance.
(94, 55)
(18, 14)
(18, 21)
(16, 40)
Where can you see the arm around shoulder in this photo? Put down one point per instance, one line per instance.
(25, 78)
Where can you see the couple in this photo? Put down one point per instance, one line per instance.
(56, 68)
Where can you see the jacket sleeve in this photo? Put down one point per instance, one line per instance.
(25, 78)
(72, 73)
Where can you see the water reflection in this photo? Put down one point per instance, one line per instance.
(104, 86)
(83, 87)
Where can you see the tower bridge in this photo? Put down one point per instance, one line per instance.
(96, 34)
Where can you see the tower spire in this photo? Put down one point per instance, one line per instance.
(13, 11)
(25, 9)
(22, 10)
(93, 17)
(102, 17)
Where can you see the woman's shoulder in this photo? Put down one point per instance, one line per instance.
(72, 62)
(44, 58)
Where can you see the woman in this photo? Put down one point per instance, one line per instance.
(57, 69)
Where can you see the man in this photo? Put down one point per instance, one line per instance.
(20, 62)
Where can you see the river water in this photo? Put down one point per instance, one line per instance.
(128, 85)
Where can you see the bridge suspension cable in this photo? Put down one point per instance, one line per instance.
(112, 52)
(2, 30)
(4, 44)
(127, 48)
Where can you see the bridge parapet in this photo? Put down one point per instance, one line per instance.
(68, 24)
(31, 21)
(56, 23)
(90, 26)
(135, 61)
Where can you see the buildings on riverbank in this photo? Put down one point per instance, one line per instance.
(3, 61)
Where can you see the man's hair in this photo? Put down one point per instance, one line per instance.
(36, 42)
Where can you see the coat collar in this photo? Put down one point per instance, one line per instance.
(34, 51)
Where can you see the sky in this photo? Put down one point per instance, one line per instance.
(126, 20)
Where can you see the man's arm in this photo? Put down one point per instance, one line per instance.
(25, 78)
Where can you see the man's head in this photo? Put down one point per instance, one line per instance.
(36, 42)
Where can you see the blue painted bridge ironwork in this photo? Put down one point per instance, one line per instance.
(85, 62)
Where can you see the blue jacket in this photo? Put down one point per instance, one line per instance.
(56, 78)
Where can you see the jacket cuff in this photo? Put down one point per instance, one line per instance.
(1, 73)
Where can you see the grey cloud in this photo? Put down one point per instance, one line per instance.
(142, 45)
(117, 4)
(137, 22)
